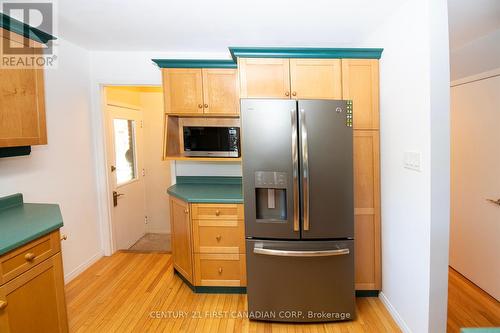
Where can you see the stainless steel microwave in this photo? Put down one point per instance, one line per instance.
(210, 141)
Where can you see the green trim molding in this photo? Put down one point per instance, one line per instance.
(23, 29)
(194, 63)
(305, 52)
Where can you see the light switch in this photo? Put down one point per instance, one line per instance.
(412, 160)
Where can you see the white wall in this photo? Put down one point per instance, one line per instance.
(63, 171)
(413, 118)
(477, 56)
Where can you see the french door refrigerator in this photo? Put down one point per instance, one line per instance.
(299, 210)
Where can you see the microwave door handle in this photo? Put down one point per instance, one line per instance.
(295, 163)
(305, 169)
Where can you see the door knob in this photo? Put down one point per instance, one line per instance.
(220, 270)
(200, 106)
(3, 305)
(113, 168)
(497, 202)
(64, 237)
(218, 237)
(186, 211)
(205, 106)
(115, 198)
(287, 93)
(294, 94)
(217, 212)
(29, 256)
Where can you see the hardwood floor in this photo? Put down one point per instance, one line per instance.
(134, 292)
(468, 305)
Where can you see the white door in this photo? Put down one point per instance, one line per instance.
(125, 172)
(475, 180)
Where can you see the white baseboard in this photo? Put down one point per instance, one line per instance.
(394, 313)
(74, 273)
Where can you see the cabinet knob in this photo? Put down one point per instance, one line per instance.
(217, 212)
(287, 93)
(64, 237)
(205, 106)
(29, 256)
(3, 305)
(220, 270)
(186, 211)
(200, 106)
(294, 94)
(218, 237)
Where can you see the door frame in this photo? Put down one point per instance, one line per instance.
(104, 198)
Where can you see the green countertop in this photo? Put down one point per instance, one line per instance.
(22, 222)
(208, 189)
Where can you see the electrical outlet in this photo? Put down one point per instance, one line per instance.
(412, 160)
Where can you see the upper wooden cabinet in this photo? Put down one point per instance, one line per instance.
(315, 78)
(190, 91)
(264, 78)
(360, 83)
(22, 102)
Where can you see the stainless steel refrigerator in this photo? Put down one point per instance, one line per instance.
(299, 210)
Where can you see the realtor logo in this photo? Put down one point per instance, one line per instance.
(36, 49)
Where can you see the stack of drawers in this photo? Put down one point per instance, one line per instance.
(218, 245)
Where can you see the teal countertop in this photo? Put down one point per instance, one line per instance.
(208, 189)
(20, 222)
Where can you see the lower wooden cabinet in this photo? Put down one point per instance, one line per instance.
(367, 255)
(34, 301)
(208, 243)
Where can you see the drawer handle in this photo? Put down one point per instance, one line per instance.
(217, 212)
(64, 237)
(186, 211)
(3, 305)
(29, 256)
(220, 270)
(218, 237)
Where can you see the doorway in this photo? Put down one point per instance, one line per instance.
(474, 289)
(136, 175)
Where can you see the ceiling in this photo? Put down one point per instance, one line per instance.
(213, 25)
(471, 19)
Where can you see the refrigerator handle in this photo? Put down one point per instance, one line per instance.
(305, 169)
(295, 160)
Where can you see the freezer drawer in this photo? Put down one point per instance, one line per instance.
(300, 281)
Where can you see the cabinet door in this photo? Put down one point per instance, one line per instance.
(22, 106)
(360, 84)
(183, 90)
(367, 210)
(264, 78)
(35, 301)
(220, 91)
(316, 78)
(181, 238)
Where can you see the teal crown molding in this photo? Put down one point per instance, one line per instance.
(23, 29)
(304, 52)
(194, 63)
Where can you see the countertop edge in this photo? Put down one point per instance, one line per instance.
(200, 200)
(30, 238)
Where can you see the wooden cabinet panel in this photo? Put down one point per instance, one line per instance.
(264, 78)
(35, 301)
(181, 238)
(22, 106)
(20, 260)
(219, 236)
(217, 211)
(221, 91)
(315, 78)
(183, 90)
(227, 270)
(360, 83)
(367, 210)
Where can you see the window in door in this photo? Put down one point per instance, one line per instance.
(125, 155)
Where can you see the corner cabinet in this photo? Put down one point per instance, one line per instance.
(201, 91)
(32, 288)
(22, 100)
(208, 243)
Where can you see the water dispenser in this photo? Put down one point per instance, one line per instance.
(270, 196)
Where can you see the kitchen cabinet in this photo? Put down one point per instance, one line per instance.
(290, 78)
(201, 91)
(215, 245)
(360, 83)
(367, 210)
(32, 291)
(181, 238)
(22, 101)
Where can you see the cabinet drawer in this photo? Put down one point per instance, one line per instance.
(220, 270)
(219, 236)
(13, 263)
(217, 211)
